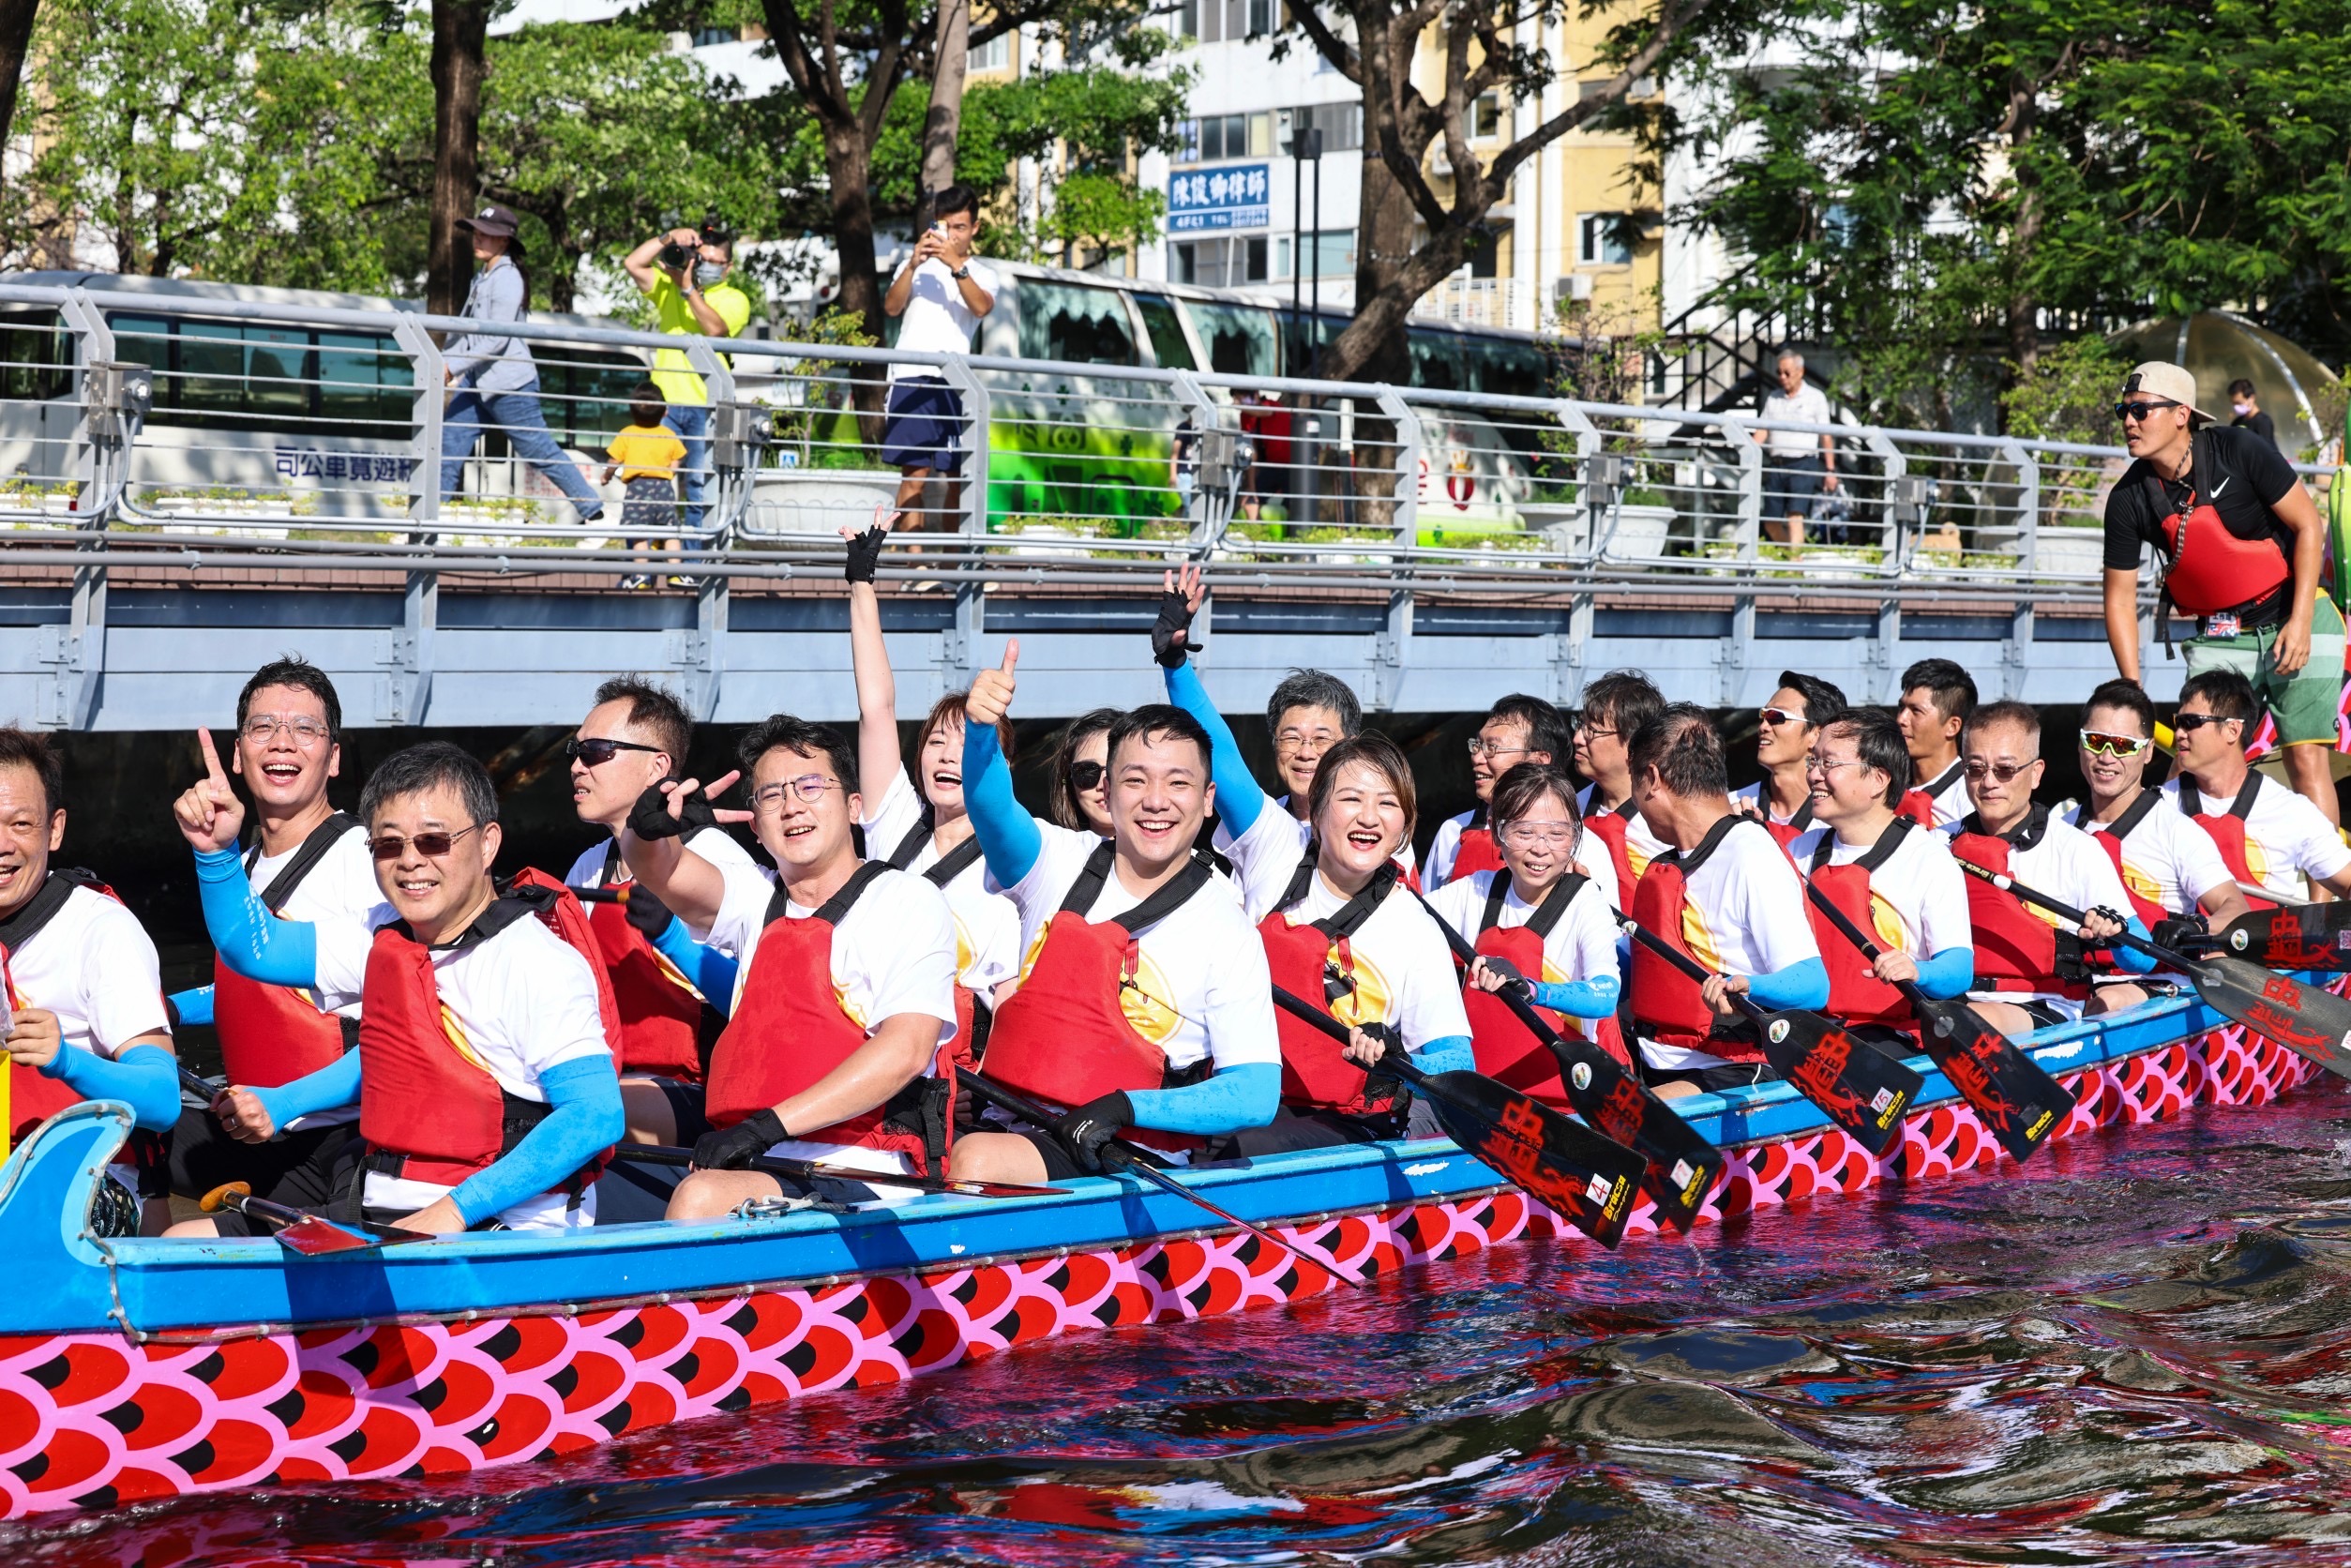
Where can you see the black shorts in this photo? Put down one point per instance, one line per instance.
(685, 1109)
(923, 425)
(1710, 1080)
(286, 1169)
(1292, 1130)
(1892, 1044)
(326, 1181)
(1791, 485)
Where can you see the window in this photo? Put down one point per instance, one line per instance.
(705, 36)
(1260, 18)
(1341, 124)
(1239, 339)
(1643, 87)
(1221, 263)
(1225, 136)
(1485, 117)
(1064, 320)
(1168, 344)
(1188, 21)
(221, 375)
(1602, 239)
(34, 354)
(995, 54)
(1328, 254)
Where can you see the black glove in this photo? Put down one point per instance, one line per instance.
(1085, 1130)
(1175, 619)
(646, 912)
(2183, 933)
(1519, 986)
(650, 817)
(734, 1148)
(865, 554)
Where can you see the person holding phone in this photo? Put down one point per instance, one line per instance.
(938, 296)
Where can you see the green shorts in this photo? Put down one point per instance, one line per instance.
(2304, 703)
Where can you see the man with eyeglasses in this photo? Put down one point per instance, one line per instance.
(2267, 834)
(2171, 870)
(2241, 548)
(1785, 726)
(1615, 707)
(837, 1040)
(308, 861)
(1937, 696)
(484, 1073)
(2030, 972)
(1518, 728)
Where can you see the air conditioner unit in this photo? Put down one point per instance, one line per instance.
(1574, 286)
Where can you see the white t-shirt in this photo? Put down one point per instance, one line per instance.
(1808, 405)
(986, 927)
(937, 321)
(1205, 990)
(524, 1002)
(2070, 866)
(2286, 839)
(2167, 860)
(1641, 846)
(94, 966)
(1581, 946)
(1744, 914)
(1404, 972)
(340, 888)
(1918, 898)
(1753, 795)
(1948, 791)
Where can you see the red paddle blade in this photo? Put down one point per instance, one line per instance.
(2019, 1104)
(1864, 1091)
(313, 1237)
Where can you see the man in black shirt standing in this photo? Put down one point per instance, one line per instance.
(2246, 404)
(2240, 546)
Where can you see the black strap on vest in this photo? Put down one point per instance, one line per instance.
(902, 858)
(835, 908)
(42, 907)
(2122, 826)
(1707, 846)
(2024, 835)
(1172, 895)
(953, 863)
(1348, 917)
(303, 861)
(1802, 820)
(1546, 914)
(1878, 854)
(2241, 807)
(1933, 789)
(511, 905)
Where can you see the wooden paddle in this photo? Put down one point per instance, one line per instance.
(306, 1235)
(1137, 1161)
(1581, 1174)
(1863, 1090)
(2302, 1019)
(2019, 1104)
(811, 1170)
(1683, 1165)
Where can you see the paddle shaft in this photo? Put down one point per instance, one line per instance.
(812, 1170)
(2124, 938)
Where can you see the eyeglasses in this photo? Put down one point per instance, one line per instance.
(307, 732)
(2099, 743)
(1827, 765)
(1549, 835)
(1481, 746)
(2128, 411)
(1589, 731)
(432, 846)
(809, 787)
(1291, 740)
(1086, 776)
(2188, 724)
(1776, 716)
(597, 750)
(2001, 770)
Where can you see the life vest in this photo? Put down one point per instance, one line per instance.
(2109, 839)
(1477, 850)
(1064, 1036)
(1855, 994)
(2211, 569)
(1667, 1004)
(2015, 949)
(1316, 959)
(1506, 1049)
(429, 1111)
(1917, 802)
(273, 1034)
(2228, 829)
(788, 1031)
(973, 1014)
(666, 1028)
(1790, 830)
(1610, 827)
(33, 1096)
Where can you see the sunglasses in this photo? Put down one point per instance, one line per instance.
(432, 846)
(2188, 724)
(1086, 776)
(2140, 411)
(2001, 770)
(2099, 743)
(597, 750)
(1777, 716)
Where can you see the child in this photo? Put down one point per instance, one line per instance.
(646, 456)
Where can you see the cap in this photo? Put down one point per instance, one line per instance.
(2160, 378)
(493, 219)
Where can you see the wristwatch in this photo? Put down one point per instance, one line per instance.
(960, 273)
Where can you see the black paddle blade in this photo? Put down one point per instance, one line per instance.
(2018, 1103)
(1581, 1175)
(1682, 1165)
(2300, 1017)
(1863, 1090)
(2303, 936)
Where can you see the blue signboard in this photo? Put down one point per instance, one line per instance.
(1232, 198)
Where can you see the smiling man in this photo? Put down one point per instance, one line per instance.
(1785, 725)
(2266, 833)
(1518, 728)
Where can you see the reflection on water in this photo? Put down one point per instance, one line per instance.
(2139, 1352)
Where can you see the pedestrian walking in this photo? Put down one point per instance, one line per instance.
(1800, 467)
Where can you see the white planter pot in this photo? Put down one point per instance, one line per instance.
(817, 501)
(1640, 533)
(2069, 552)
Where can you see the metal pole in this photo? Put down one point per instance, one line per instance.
(1314, 155)
(1297, 209)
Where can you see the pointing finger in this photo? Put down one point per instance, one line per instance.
(212, 758)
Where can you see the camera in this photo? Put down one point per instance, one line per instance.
(677, 257)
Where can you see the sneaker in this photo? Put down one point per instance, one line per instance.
(637, 579)
(678, 580)
(589, 520)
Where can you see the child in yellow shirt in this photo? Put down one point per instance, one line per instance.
(646, 456)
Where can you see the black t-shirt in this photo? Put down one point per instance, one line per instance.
(2259, 423)
(2238, 472)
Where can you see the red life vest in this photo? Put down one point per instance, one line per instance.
(1476, 852)
(2228, 829)
(666, 1028)
(2211, 569)
(1610, 827)
(1855, 994)
(273, 1034)
(1064, 1036)
(1790, 830)
(2110, 838)
(1666, 1005)
(788, 1031)
(1917, 802)
(428, 1111)
(1316, 958)
(1506, 1049)
(33, 1096)
(2015, 949)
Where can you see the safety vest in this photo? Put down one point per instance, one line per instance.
(1917, 802)
(2110, 837)
(2211, 569)
(273, 1034)
(1667, 1004)
(429, 1111)
(1506, 1049)
(2228, 829)
(33, 1096)
(1610, 827)
(1316, 959)
(1855, 994)
(667, 1029)
(1477, 851)
(1790, 830)
(2015, 949)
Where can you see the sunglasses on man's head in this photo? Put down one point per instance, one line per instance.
(597, 750)
(2098, 743)
(2188, 724)
(2140, 410)
(432, 846)
(1086, 776)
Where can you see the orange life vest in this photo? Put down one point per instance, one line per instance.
(1609, 827)
(272, 1034)
(1477, 850)
(1666, 1003)
(1316, 959)
(1506, 1049)
(2211, 569)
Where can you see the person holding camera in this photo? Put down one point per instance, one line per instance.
(940, 293)
(684, 272)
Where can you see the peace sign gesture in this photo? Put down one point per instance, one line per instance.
(209, 815)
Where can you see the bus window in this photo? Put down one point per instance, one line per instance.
(364, 380)
(1239, 339)
(34, 356)
(1506, 368)
(1303, 336)
(1168, 344)
(595, 385)
(1066, 320)
(210, 368)
(277, 361)
(1436, 359)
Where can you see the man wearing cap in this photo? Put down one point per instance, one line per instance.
(2241, 547)
(493, 380)
(684, 272)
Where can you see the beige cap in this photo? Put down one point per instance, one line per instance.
(2160, 378)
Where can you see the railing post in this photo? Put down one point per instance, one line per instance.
(2027, 507)
(426, 365)
(76, 651)
(1587, 443)
(1393, 648)
(1201, 512)
(1733, 667)
(1407, 470)
(1896, 466)
(407, 684)
(971, 594)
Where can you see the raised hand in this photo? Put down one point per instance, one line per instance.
(990, 697)
(1181, 593)
(210, 815)
(676, 806)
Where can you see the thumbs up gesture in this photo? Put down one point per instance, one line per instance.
(209, 815)
(990, 697)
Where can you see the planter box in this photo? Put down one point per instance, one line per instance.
(817, 501)
(1565, 525)
(2069, 552)
(1640, 533)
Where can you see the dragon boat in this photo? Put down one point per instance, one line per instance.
(134, 1369)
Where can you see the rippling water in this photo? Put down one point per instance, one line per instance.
(2138, 1352)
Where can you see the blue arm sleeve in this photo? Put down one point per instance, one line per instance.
(1234, 1099)
(192, 1006)
(1804, 985)
(1595, 997)
(1238, 798)
(711, 971)
(145, 1077)
(585, 1094)
(332, 1085)
(1948, 974)
(2129, 960)
(252, 941)
(1451, 1054)
(1008, 835)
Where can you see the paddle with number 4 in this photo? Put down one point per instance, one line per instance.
(1859, 1088)
(2018, 1103)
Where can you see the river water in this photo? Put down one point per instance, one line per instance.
(2139, 1352)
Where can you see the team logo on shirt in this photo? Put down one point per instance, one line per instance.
(1699, 941)
(2140, 884)
(963, 954)
(1893, 932)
